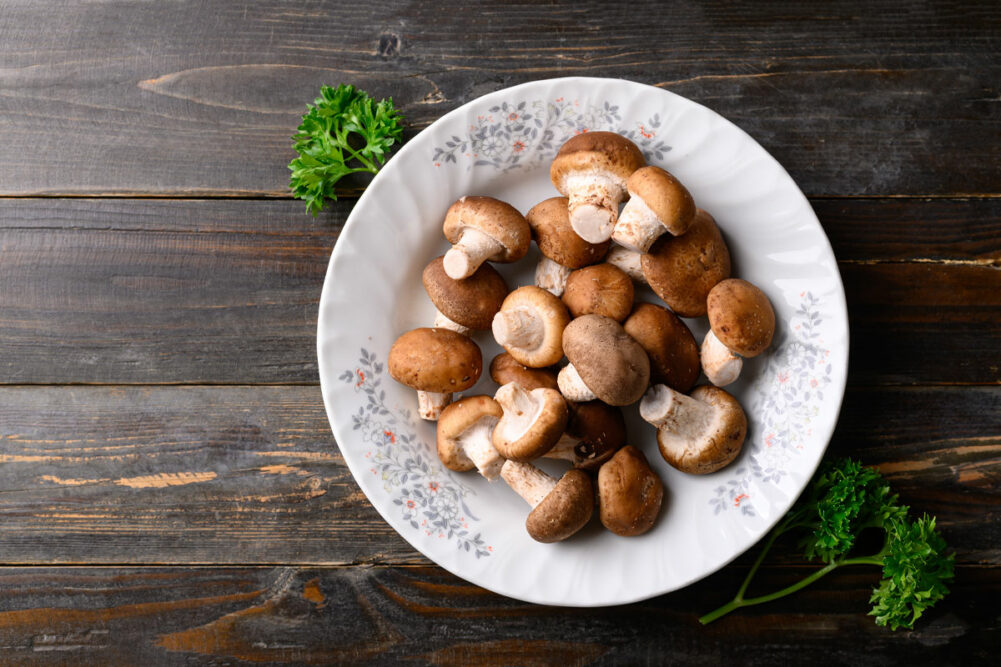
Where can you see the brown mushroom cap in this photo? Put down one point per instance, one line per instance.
(601, 429)
(720, 447)
(505, 368)
(741, 316)
(554, 316)
(673, 352)
(629, 493)
(566, 509)
(550, 223)
(532, 423)
(596, 151)
(471, 302)
(436, 360)
(664, 194)
(601, 289)
(498, 220)
(683, 269)
(608, 360)
(455, 420)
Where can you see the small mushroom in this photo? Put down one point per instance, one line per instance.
(559, 508)
(465, 436)
(629, 493)
(562, 250)
(481, 229)
(742, 325)
(464, 305)
(682, 269)
(627, 260)
(673, 352)
(435, 362)
(658, 203)
(605, 363)
(532, 423)
(697, 434)
(505, 368)
(595, 431)
(601, 289)
(530, 326)
(591, 170)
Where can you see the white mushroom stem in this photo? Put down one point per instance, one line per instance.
(518, 327)
(572, 386)
(551, 276)
(443, 322)
(521, 410)
(528, 481)
(673, 412)
(476, 442)
(564, 449)
(720, 365)
(594, 203)
(627, 260)
(638, 226)
(474, 248)
(431, 403)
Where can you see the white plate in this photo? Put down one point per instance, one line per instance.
(501, 145)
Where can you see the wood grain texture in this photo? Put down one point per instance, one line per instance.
(390, 615)
(221, 291)
(201, 98)
(251, 475)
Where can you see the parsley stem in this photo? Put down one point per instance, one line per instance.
(750, 602)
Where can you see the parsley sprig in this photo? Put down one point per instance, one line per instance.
(845, 499)
(344, 132)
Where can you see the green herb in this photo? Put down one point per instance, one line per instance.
(844, 500)
(345, 132)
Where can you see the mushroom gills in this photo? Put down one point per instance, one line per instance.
(681, 419)
(474, 248)
(527, 481)
(638, 226)
(629, 261)
(551, 276)
(519, 327)
(565, 449)
(476, 442)
(521, 410)
(572, 386)
(594, 203)
(719, 363)
(431, 403)
(442, 322)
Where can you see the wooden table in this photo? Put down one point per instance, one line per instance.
(170, 490)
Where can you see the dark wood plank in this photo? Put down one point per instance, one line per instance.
(198, 98)
(252, 474)
(150, 291)
(392, 615)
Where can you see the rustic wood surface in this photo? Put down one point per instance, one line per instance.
(169, 488)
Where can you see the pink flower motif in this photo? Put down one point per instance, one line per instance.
(782, 378)
(559, 99)
(738, 499)
(433, 486)
(411, 504)
(646, 133)
(389, 435)
(813, 383)
(581, 130)
(769, 439)
(361, 377)
(512, 116)
(519, 146)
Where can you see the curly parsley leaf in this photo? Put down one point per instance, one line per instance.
(344, 132)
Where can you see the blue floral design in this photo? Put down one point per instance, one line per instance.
(428, 496)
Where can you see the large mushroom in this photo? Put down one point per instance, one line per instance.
(673, 352)
(435, 362)
(605, 363)
(742, 325)
(532, 423)
(481, 229)
(464, 305)
(465, 436)
(559, 507)
(658, 203)
(601, 289)
(629, 493)
(505, 368)
(591, 170)
(697, 434)
(562, 249)
(682, 269)
(628, 260)
(595, 431)
(530, 326)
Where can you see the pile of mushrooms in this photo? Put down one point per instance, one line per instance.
(578, 345)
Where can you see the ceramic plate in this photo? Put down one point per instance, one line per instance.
(501, 145)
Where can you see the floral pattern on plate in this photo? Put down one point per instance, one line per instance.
(429, 498)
